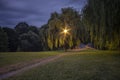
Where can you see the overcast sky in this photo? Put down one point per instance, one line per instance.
(34, 12)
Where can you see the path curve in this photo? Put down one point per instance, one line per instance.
(42, 62)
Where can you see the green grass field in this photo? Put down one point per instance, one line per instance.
(84, 65)
(8, 58)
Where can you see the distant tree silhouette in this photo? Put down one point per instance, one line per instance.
(33, 29)
(30, 42)
(22, 27)
(12, 38)
(3, 41)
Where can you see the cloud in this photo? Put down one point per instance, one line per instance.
(34, 12)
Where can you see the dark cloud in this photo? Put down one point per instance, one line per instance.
(34, 12)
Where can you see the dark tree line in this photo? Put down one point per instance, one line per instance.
(3, 40)
(22, 38)
(98, 23)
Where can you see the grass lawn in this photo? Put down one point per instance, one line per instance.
(84, 65)
(8, 58)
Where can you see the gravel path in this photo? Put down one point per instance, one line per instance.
(41, 62)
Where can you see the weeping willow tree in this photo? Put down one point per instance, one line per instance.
(98, 24)
(69, 18)
(101, 19)
(44, 35)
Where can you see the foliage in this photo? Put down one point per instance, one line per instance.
(98, 24)
(30, 42)
(12, 38)
(34, 29)
(29, 37)
(43, 35)
(22, 27)
(3, 41)
(69, 18)
(101, 20)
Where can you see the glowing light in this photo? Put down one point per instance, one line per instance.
(65, 31)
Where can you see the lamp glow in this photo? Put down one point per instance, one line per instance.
(65, 31)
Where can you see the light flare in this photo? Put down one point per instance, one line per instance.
(65, 30)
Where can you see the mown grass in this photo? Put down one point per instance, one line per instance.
(84, 65)
(8, 58)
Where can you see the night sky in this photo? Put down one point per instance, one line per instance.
(34, 12)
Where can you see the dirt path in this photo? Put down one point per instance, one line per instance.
(41, 62)
(20, 68)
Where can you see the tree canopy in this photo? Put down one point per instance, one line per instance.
(98, 23)
(102, 19)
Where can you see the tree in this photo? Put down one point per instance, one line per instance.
(33, 29)
(3, 41)
(54, 25)
(22, 27)
(30, 42)
(69, 18)
(102, 23)
(43, 33)
(12, 38)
